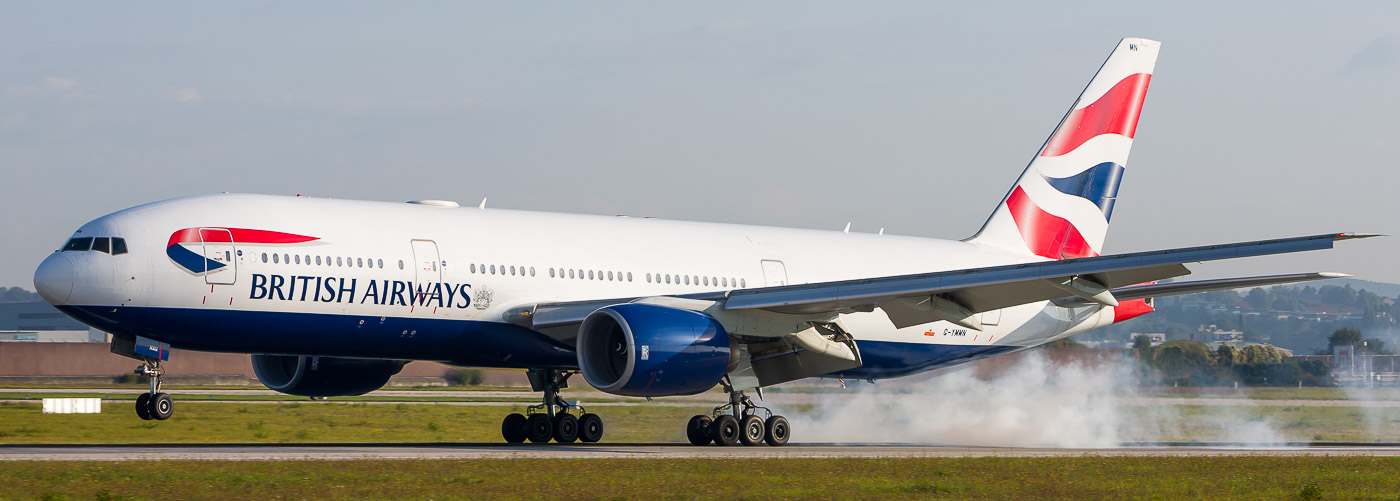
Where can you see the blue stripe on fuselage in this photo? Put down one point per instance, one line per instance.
(462, 342)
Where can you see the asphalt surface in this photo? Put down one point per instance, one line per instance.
(253, 452)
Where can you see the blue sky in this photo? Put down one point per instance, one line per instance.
(1264, 119)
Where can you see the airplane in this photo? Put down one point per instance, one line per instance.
(333, 297)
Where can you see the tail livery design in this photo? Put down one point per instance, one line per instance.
(1061, 205)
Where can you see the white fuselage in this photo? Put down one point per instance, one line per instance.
(376, 273)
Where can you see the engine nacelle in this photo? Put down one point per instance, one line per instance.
(645, 350)
(323, 376)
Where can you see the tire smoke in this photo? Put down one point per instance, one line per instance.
(1036, 403)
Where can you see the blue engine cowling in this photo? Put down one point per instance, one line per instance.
(645, 350)
(323, 376)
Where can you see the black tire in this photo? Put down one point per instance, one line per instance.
(538, 428)
(725, 430)
(776, 430)
(162, 406)
(565, 428)
(590, 428)
(751, 430)
(513, 428)
(143, 406)
(698, 430)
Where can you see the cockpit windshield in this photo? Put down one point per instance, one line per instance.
(111, 245)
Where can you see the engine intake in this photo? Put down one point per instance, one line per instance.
(323, 376)
(647, 350)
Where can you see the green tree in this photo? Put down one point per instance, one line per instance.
(1259, 298)
(1142, 342)
(1260, 354)
(1344, 337)
(1226, 355)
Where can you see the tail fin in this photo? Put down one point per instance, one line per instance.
(1061, 205)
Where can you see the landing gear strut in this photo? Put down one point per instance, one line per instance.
(739, 421)
(154, 404)
(555, 418)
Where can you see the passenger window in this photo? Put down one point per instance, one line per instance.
(687, 280)
(78, 244)
(629, 276)
(743, 283)
(610, 276)
(668, 279)
(264, 257)
(512, 271)
(400, 264)
(473, 267)
(551, 273)
(298, 258)
(532, 271)
(648, 277)
(571, 273)
(338, 262)
(229, 257)
(706, 280)
(724, 281)
(118, 245)
(318, 260)
(359, 263)
(275, 259)
(102, 244)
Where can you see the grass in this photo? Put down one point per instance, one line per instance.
(206, 422)
(812, 478)
(284, 422)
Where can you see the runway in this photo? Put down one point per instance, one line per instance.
(262, 452)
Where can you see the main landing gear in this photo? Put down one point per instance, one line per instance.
(154, 404)
(746, 423)
(555, 418)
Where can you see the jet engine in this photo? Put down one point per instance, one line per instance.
(645, 350)
(323, 376)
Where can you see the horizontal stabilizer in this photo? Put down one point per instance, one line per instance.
(1179, 288)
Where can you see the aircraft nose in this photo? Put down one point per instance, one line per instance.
(54, 279)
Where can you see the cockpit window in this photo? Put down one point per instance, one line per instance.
(81, 244)
(102, 244)
(118, 245)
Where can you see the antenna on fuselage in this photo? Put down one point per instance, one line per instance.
(483, 203)
(848, 227)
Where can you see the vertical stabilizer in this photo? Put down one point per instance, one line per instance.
(1060, 206)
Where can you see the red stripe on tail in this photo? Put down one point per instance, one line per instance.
(1116, 112)
(1046, 234)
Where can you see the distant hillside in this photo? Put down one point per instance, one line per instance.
(1377, 288)
(17, 295)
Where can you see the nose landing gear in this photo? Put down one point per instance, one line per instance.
(746, 423)
(154, 404)
(558, 419)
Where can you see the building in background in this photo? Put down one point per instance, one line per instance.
(38, 321)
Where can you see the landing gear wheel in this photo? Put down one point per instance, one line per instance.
(538, 428)
(698, 430)
(590, 428)
(725, 430)
(565, 428)
(162, 406)
(751, 430)
(776, 430)
(143, 406)
(513, 428)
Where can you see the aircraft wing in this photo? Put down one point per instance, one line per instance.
(984, 289)
(911, 299)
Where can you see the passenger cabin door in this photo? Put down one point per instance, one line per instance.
(774, 273)
(220, 265)
(427, 270)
